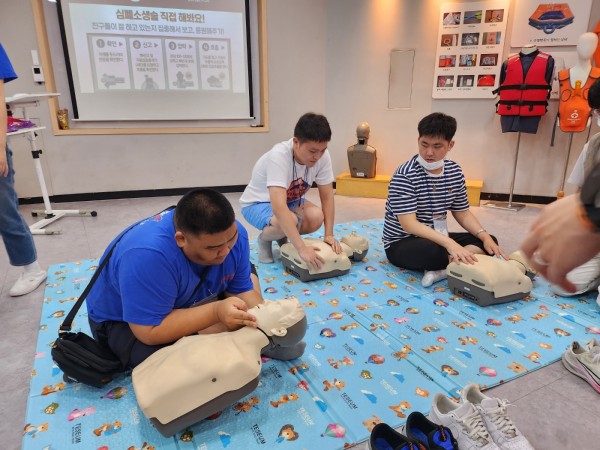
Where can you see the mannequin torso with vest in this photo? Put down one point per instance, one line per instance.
(573, 109)
(524, 89)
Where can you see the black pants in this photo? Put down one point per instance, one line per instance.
(120, 339)
(416, 253)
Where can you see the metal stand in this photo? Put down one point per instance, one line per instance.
(561, 192)
(50, 215)
(510, 206)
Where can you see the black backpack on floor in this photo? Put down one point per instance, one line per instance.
(84, 360)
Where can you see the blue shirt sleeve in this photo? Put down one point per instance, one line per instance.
(7, 73)
(241, 281)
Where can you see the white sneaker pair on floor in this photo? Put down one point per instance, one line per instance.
(27, 282)
(478, 422)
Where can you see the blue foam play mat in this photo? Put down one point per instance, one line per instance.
(379, 346)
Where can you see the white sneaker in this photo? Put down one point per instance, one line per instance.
(584, 361)
(27, 282)
(493, 410)
(464, 421)
(433, 276)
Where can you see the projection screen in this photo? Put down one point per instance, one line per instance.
(157, 59)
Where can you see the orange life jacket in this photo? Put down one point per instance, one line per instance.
(573, 107)
(524, 96)
(549, 17)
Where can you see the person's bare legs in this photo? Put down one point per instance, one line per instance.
(310, 216)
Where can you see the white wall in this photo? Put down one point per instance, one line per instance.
(361, 35)
(84, 164)
(327, 56)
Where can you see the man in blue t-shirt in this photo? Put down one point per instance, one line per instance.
(421, 192)
(181, 272)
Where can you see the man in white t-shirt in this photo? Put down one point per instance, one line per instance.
(274, 199)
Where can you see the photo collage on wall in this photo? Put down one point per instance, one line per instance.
(469, 49)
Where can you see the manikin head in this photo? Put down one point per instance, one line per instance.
(586, 45)
(311, 138)
(283, 320)
(363, 131)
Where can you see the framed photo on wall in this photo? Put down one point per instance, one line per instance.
(546, 23)
(469, 49)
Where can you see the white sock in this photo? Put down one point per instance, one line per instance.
(265, 251)
(433, 276)
(34, 267)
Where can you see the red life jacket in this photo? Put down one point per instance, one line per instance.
(573, 108)
(524, 96)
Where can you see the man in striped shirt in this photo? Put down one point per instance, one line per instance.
(421, 192)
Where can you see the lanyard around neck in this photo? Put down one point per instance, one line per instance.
(295, 176)
(431, 187)
(202, 278)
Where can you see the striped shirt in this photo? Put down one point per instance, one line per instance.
(414, 190)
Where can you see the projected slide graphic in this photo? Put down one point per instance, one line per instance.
(139, 63)
(147, 63)
(182, 64)
(214, 64)
(111, 63)
(182, 61)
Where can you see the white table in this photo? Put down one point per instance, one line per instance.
(24, 101)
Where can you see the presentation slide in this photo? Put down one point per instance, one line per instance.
(157, 60)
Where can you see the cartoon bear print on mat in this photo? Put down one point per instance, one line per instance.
(108, 428)
(400, 408)
(517, 368)
(335, 384)
(287, 433)
(246, 406)
(284, 399)
(371, 422)
(31, 430)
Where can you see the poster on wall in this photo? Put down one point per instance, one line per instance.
(469, 49)
(549, 24)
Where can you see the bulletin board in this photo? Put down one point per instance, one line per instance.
(469, 49)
